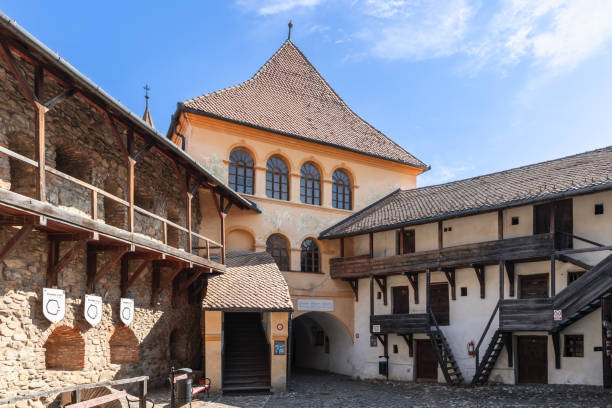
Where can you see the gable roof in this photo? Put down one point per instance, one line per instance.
(572, 175)
(252, 281)
(289, 96)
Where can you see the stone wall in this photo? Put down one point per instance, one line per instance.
(24, 331)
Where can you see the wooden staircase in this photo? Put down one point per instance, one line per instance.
(246, 358)
(483, 371)
(443, 352)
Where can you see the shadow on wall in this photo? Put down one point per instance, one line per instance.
(321, 341)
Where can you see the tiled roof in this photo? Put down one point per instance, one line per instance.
(289, 96)
(252, 281)
(590, 171)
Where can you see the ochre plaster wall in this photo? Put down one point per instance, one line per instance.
(213, 335)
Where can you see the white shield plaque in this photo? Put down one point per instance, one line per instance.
(54, 304)
(376, 328)
(93, 309)
(126, 311)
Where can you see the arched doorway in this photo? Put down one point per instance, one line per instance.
(320, 341)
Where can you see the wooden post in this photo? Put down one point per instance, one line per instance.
(557, 348)
(125, 270)
(142, 394)
(52, 258)
(440, 237)
(342, 247)
(165, 232)
(371, 245)
(131, 164)
(371, 295)
(553, 274)
(94, 205)
(606, 316)
(553, 208)
(189, 244)
(41, 188)
(501, 280)
(500, 224)
(401, 241)
(92, 267)
(223, 238)
(427, 289)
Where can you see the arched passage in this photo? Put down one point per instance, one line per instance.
(320, 341)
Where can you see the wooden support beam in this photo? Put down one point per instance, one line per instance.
(450, 277)
(500, 224)
(342, 247)
(115, 131)
(177, 269)
(511, 277)
(480, 275)
(52, 257)
(501, 280)
(413, 278)
(138, 155)
(401, 241)
(371, 295)
(131, 165)
(106, 268)
(39, 130)
(137, 273)
(408, 338)
(13, 221)
(15, 240)
(427, 290)
(557, 347)
(189, 197)
(10, 61)
(155, 282)
(125, 270)
(354, 284)
(508, 343)
(196, 275)
(440, 236)
(382, 284)
(61, 97)
(371, 235)
(53, 272)
(142, 394)
(553, 275)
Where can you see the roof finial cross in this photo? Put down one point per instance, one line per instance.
(290, 27)
(147, 89)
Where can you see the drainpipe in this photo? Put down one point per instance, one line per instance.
(289, 345)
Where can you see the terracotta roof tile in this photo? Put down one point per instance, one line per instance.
(561, 177)
(252, 281)
(289, 96)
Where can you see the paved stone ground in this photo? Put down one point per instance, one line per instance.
(314, 389)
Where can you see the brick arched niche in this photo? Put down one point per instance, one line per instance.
(124, 347)
(115, 213)
(178, 345)
(65, 349)
(22, 175)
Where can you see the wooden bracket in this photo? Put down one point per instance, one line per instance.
(10, 61)
(159, 288)
(15, 240)
(61, 97)
(383, 338)
(227, 208)
(480, 274)
(450, 276)
(94, 275)
(409, 342)
(138, 155)
(56, 264)
(382, 284)
(413, 278)
(557, 347)
(115, 131)
(354, 283)
(127, 281)
(511, 275)
(189, 281)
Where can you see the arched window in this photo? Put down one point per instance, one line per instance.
(277, 246)
(341, 190)
(310, 256)
(310, 185)
(277, 179)
(241, 171)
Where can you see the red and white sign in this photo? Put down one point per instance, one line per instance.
(557, 315)
(280, 327)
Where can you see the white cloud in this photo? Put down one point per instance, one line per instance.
(267, 7)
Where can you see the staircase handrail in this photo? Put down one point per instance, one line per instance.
(588, 241)
(484, 333)
(435, 322)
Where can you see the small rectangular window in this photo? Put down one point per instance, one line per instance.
(598, 209)
(515, 220)
(572, 276)
(395, 351)
(574, 345)
(464, 291)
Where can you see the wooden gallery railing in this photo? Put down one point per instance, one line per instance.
(95, 192)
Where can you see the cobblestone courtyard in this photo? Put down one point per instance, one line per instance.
(315, 389)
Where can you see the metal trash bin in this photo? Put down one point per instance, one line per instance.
(183, 387)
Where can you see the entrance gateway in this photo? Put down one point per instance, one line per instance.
(426, 360)
(532, 359)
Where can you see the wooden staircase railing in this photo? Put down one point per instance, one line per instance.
(444, 354)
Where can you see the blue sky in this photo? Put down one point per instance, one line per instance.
(468, 86)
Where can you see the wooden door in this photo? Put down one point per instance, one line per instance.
(400, 299)
(426, 361)
(405, 244)
(532, 359)
(541, 218)
(564, 223)
(439, 303)
(533, 286)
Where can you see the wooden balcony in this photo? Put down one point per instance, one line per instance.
(532, 247)
(400, 323)
(526, 315)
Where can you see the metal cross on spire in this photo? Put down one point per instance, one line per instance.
(290, 27)
(147, 89)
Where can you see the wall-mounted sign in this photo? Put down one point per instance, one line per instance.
(54, 304)
(280, 327)
(93, 309)
(557, 315)
(376, 328)
(316, 305)
(279, 347)
(126, 311)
